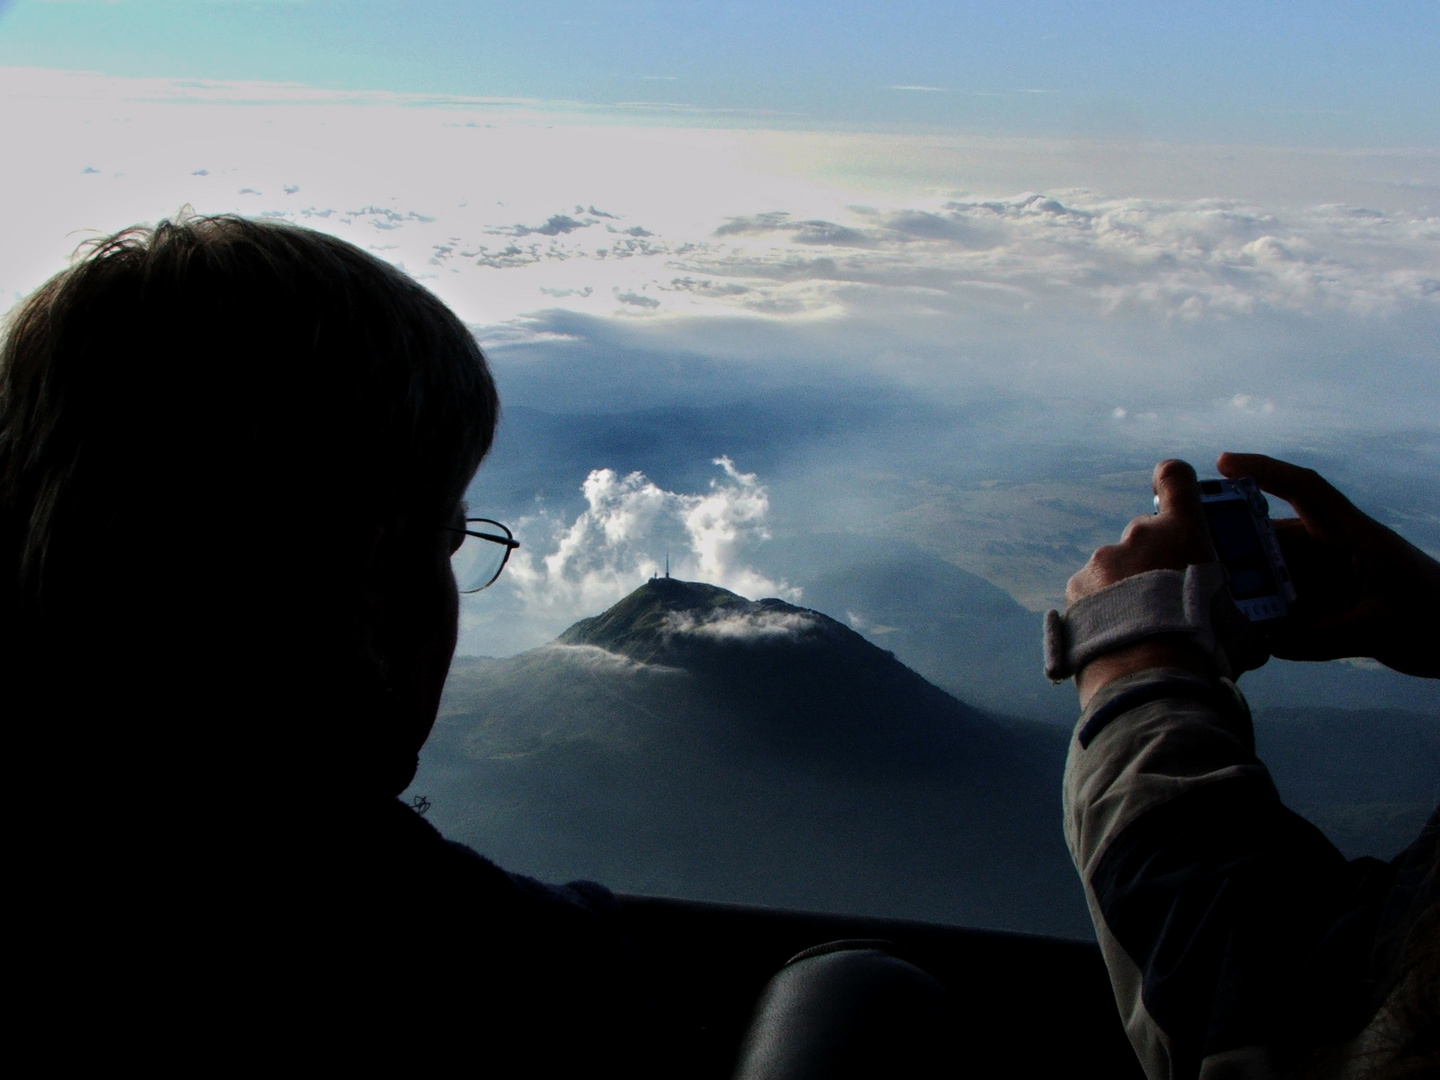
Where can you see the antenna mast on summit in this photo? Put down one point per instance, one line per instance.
(667, 566)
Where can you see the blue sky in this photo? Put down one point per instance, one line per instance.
(1286, 74)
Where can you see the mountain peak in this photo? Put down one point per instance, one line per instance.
(666, 615)
(798, 667)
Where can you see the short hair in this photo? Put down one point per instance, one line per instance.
(227, 381)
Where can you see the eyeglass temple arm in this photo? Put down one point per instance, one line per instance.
(509, 542)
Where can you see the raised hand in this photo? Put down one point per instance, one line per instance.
(1362, 590)
(1170, 539)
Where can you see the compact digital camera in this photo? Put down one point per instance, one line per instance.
(1239, 519)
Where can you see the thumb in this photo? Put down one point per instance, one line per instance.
(1177, 492)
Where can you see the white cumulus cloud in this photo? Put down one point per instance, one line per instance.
(1249, 403)
(629, 527)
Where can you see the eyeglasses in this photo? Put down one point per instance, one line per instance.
(482, 554)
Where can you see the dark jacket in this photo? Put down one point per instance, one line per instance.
(356, 939)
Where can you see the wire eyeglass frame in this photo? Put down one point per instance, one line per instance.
(486, 530)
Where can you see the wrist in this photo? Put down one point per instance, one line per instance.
(1167, 651)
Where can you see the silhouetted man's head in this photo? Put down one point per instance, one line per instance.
(228, 449)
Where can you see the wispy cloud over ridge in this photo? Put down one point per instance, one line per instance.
(745, 626)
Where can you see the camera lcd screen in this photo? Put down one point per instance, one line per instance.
(1238, 545)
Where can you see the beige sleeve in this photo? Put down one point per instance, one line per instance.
(1139, 760)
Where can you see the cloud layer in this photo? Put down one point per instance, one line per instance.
(503, 215)
(1098, 255)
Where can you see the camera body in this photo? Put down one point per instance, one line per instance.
(1239, 519)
